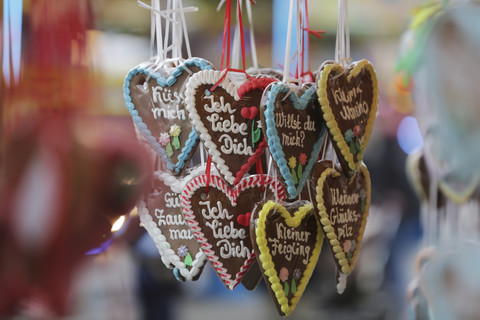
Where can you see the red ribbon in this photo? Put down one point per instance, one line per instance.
(226, 42)
(207, 172)
(260, 171)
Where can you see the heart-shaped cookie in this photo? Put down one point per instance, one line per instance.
(227, 119)
(342, 203)
(349, 98)
(161, 215)
(288, 240)
(294, 128)
(155, 99)
(213, 216)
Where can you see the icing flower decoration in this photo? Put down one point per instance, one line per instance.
(175, 131)
(292, 162)
(356, 131)
(354, 246)
(182, 251)
(164, 139)
(363, 194)
(347, 246)
(302, 158)
(297, 274)
(283, 276)
(363, 197)
(349, 135)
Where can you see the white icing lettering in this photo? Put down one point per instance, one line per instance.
(231, 145)
(219, 124)
(217, 212)
(184, 234)
(216, 107)
(232, 250)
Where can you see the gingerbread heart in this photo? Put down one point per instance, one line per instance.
(342, 203)
(212, 218)
(227, 119)
(294, 128)
(161, 215)
(155, 99)
(287, 240)
(349, 98)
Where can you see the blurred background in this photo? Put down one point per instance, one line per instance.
(125, 278)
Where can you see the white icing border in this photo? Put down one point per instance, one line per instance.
(209, 77)
(232, 194)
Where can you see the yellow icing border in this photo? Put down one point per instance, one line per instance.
(330, 234)
(330, 118)
(266, 259)
(458, 197)
(414, 175)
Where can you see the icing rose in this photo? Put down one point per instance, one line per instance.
(297, 274)
(356, 131)
(164, 139)
(302, 158)
(347, 246)
(363, 194)
(283, 276)
(349, 135)
(292, 162)
(182, 251)
(175, 130)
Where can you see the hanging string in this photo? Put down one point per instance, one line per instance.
(299, 51)
(342, 46)
(253, 47)
(308, 31)
(286, 66)
(226, 35)
(184, 28)
(236, 45)
(260, 171)
(207, 172)
(158, 29)
(174, 15)
(226, 44)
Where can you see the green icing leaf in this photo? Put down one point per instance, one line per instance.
(256, 135)
(294, 286)
(188, 260)
(300, 171)
(176, 143)
(294, 176)
(169, 150)
(362, 208)
(286, 288)
(353, 148)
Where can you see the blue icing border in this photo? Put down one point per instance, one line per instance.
(274, 141)
(193, 137)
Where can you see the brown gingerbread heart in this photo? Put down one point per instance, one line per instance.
(287, 240)
(227, 119)
(294, 127)
(154, 96)
(213, 219)
(342, 203)
(349, 98)
(161, 214)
